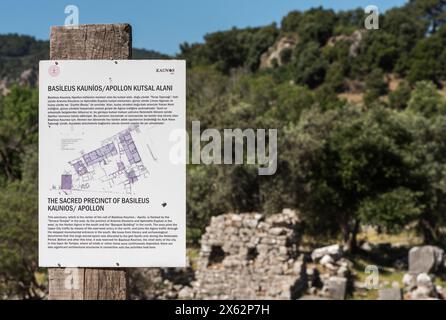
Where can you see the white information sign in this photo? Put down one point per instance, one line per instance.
(110, 194)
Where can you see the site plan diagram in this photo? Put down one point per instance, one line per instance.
(115, 166)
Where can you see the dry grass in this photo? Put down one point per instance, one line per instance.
(405, 238)
(443, 90)
(353, 98)
(193, 254)
(393, 82)
(387, 276)
(355, 91)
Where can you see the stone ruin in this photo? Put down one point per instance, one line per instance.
(329, 273)
(160, 283)
(425, 263)
(250, 256)
(253, 256)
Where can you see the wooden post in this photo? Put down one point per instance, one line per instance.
(89, 42)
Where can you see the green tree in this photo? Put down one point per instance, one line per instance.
(286, 55)
(399, 98)
(291, 22)
(206, 197)
(259, 42)
(393, 210)
(430, 151)
(19, 273)
(206, 94)
(290, 100)
(378, 50)
(405, 25)
(310, 66)
(426, 100)
(433, 11)
(232, 49)
(19, 53)
(335, 77)
(349, 21)
(18, 129)
(317, 25)
(344, 161)
(426, 62)
(376, 86)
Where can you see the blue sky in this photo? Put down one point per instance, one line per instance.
(162, 24)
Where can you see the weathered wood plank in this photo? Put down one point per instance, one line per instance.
(66, 283)
(89, 42)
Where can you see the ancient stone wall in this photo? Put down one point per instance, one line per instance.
(250, 256)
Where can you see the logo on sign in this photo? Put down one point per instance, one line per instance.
(168, 70)
(54, 70)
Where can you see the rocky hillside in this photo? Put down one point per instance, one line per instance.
(20, 55)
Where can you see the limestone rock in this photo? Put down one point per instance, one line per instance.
(425, 259)
(409, 281)
(325, 260)
(424, 280)
(354, 40)
(336, 288)
(313, 297)
(160, 283)
(334, 251)
(273, 56)
(366, 246)
(421, 287)
(390, 294)
(29, 78)
(186, 293)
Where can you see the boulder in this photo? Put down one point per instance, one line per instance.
(313, 297)
(421, 293)
(441, 291)
(336, 288)
(334, 251)
(326, 260)
(354, 40)
(390, 294)
(425, 259)
(29, 78)
(343, 271)
(409, 281)
(420, 286)
(273, 55)
(366, 246)
(186, 293)
(424, 280)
